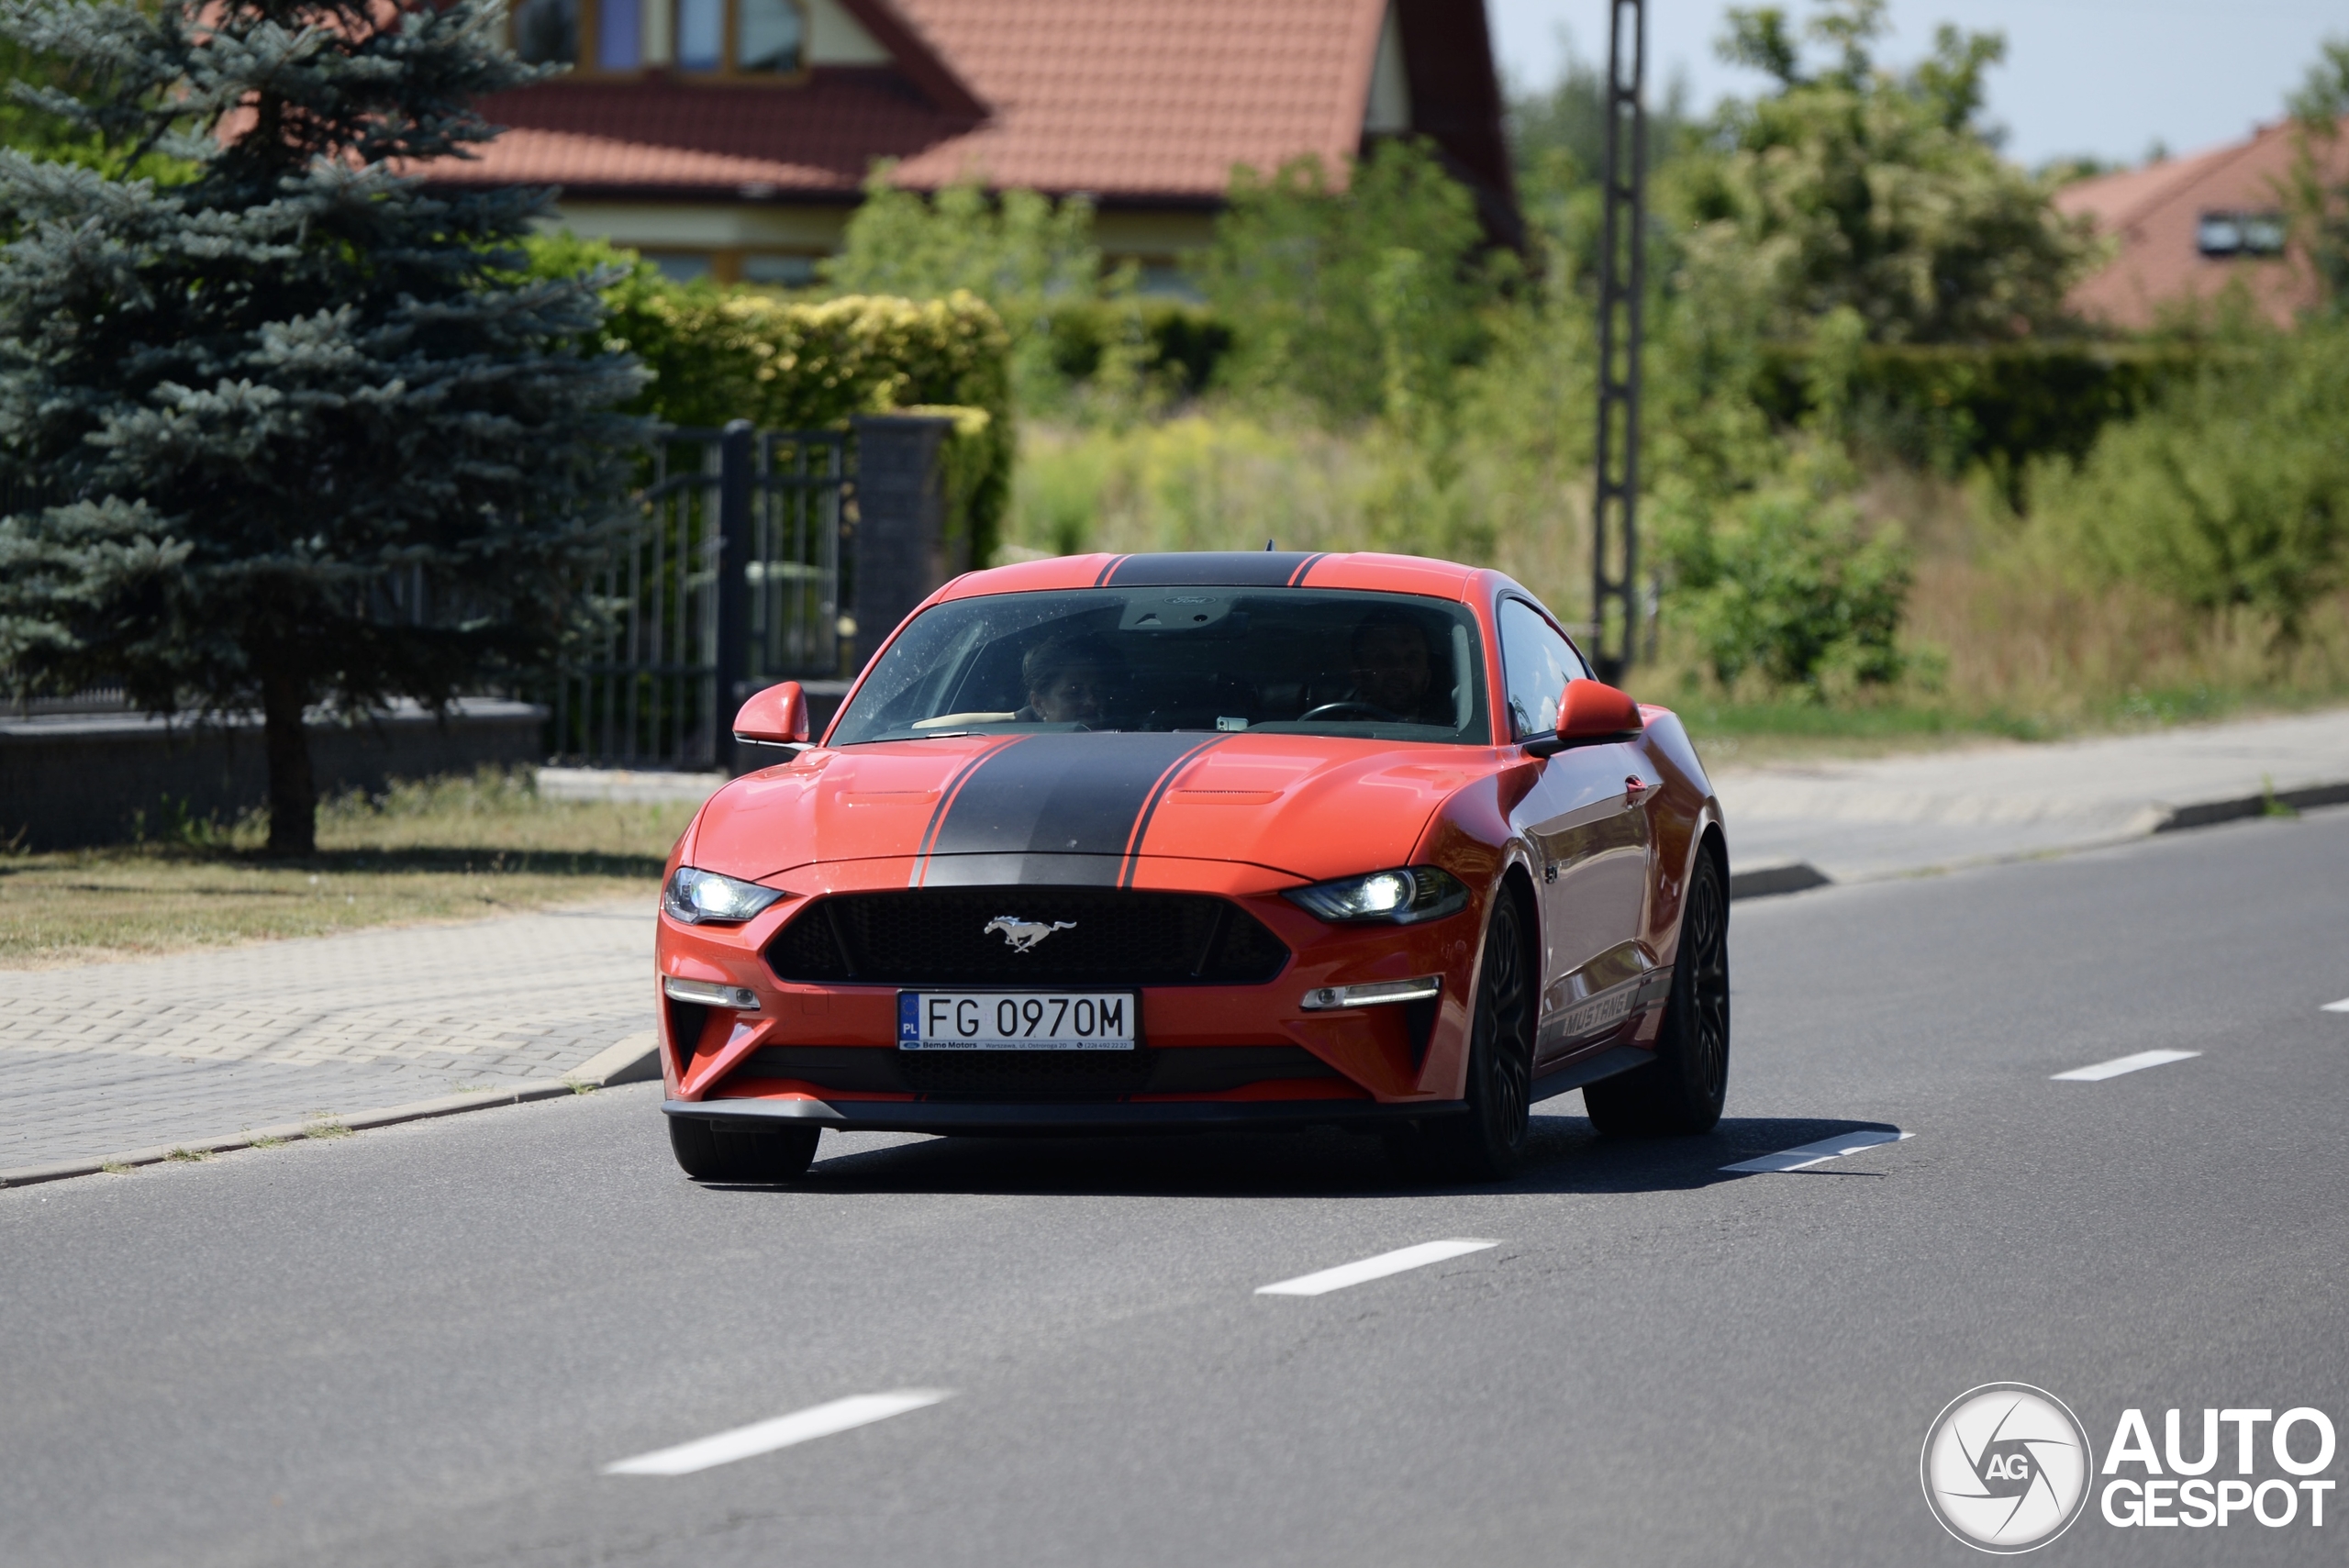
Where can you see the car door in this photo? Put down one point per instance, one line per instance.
(1590, 830)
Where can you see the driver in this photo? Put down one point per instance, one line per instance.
(1069, 680)
(1392, 667)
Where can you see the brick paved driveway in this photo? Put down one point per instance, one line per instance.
(110, 1057)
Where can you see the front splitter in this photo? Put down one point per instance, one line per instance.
(1120, 1116)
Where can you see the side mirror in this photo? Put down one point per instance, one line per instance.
(1593, 712)
(776, 716)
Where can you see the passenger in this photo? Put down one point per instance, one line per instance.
(1393, 669)
(1070, 680)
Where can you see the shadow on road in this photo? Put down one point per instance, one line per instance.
(1565, 1156)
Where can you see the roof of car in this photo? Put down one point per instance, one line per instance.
(1360, 570)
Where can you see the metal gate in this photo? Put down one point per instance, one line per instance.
(691, 632)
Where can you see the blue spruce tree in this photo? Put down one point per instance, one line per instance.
(287, 427)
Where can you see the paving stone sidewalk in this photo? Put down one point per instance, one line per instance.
(117, 1056)
(1857, 821)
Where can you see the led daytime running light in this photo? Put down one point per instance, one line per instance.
(1374, 994)
(710, 993)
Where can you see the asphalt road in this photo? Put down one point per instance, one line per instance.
(423, 1345)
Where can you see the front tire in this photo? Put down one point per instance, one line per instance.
(1680, 1092)
(713, 1151)
(1487, 1143)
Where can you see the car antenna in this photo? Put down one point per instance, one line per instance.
(1268, 544)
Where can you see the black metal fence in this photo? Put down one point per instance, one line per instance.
(733, 582)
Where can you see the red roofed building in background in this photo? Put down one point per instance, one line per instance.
(2189, 229)
(730, 137)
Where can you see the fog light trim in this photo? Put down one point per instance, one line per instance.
(1374, 994)
(709, 994)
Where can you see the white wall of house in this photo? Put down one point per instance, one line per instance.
(762, 242)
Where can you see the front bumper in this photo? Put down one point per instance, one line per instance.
(1251, 1053)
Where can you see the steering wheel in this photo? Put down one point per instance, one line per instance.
(1349, 710)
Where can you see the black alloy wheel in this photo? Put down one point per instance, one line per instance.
(1681, 1091)
(718, 1151)
(1487, 1142)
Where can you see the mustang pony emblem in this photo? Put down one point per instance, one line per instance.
(1023, 935)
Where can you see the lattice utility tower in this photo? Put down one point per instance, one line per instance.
(1622, 279)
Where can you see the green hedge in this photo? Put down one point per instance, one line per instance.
(1954, 406)
(720, 354)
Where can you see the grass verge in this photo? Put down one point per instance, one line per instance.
(444, 849)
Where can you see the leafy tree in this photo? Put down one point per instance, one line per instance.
(2319, 183)
(296, 429)
(1852, 185)
(1029, 257)
(1342, 297)
(1569, 117)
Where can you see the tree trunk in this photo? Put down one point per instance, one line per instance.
(293, 794)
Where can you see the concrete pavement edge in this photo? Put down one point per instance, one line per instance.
(630, 1060)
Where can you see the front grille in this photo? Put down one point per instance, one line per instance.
(1024, 1076)
(1101, 936)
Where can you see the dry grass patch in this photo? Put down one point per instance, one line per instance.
(445, 850)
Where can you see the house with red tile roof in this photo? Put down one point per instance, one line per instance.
(2187, 230)
(731, 138)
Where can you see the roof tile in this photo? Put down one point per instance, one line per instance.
(1157, 98)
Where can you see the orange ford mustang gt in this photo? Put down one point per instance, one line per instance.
(1211, 841)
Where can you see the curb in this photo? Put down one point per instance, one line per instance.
(632, 1060)
(1798, 876)
(2215, 811)
(1767, 881)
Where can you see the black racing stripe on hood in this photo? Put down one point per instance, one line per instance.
(946, 803)
(1150, 807)
(1114, 562)
(1296, 577)
(1061, 795)
(1212, 569)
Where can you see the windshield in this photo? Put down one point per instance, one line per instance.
(1387, 666)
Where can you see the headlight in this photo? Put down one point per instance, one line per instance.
(705, 898)
(1404, 896)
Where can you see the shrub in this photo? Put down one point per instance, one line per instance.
(2233, 490)
(1785, 580)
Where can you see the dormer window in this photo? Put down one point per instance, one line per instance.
(2220, 235)
(741, 37)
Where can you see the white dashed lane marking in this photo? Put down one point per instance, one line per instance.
(2119, 1064)
(2339, 1006)
(1817, 1153)
(765, 1437)
(1379, 1267)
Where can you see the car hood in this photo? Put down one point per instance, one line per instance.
(1082, 808)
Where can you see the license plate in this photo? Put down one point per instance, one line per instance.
(1017, 1020)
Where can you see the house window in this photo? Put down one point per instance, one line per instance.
(683, 266)
(776, 269)
(606, 34)
(2223, 234)
(546, 32)
(741, 37)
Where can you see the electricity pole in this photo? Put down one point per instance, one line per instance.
(1623, 277)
